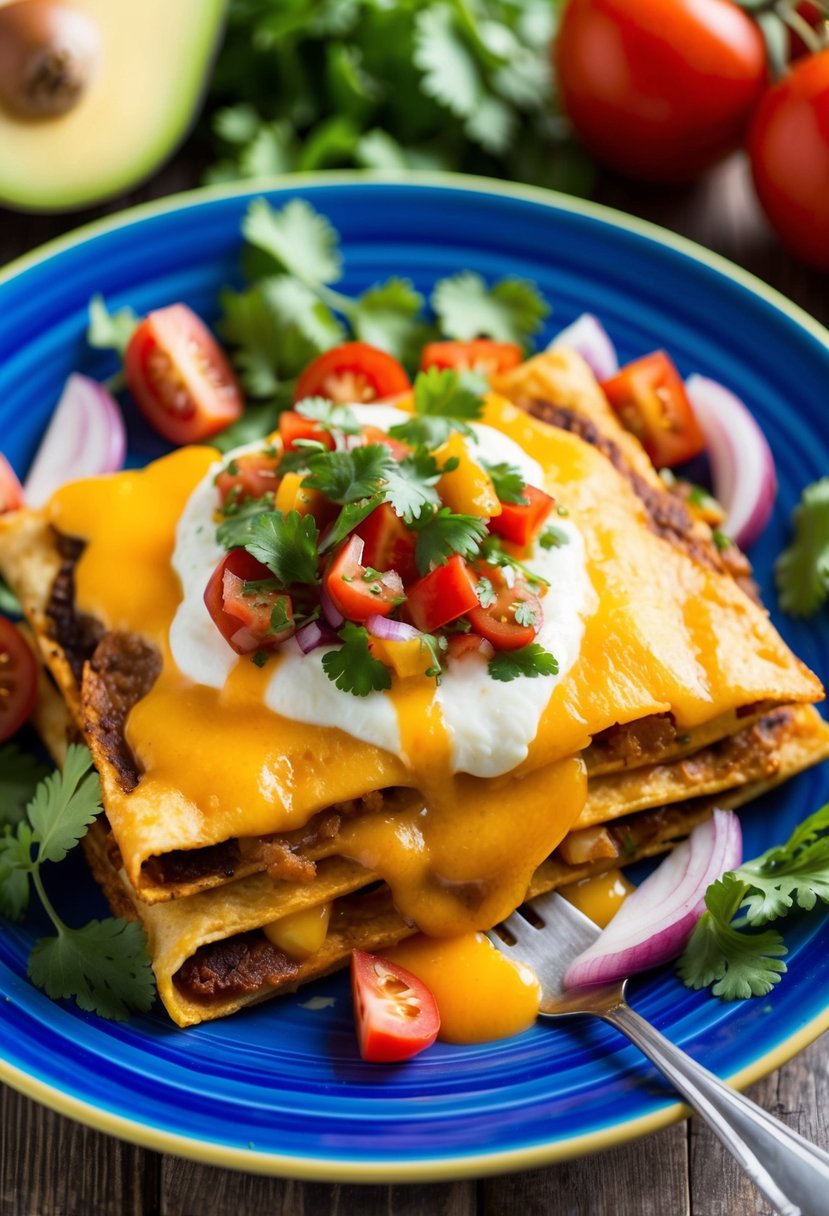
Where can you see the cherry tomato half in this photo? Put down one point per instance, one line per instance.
(521, 522)
(650, 399)
(483, 355)
(252, 475)
(507, 616)
(11, 491)
(352, 373)
(659, 89)
(388, 543)
(789, 148)
(246, 621)
(396, 1014)
(358, 590)
(294, 426)
(179, 376)
(18, 680)
(442, 596)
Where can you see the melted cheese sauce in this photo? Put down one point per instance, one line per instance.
(600, 897)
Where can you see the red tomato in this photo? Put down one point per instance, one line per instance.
(245, 621)
(521, 523)
(659, 89)
(250, 476)
(18, 680)
(463, 644)
(789, 148)
(293, 426)
(650, 399)
(396, 1014)
(353, 372)
(11, 491)
(358, 590)
(496, 622)
(388, 543)
(483, 355)
(180, 378)
(442, 596)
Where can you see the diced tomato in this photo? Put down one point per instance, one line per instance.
(293, 426)
(482, 355)
(247, 621)
(496, 621)
(11, 491)
(360, 591)
(521, 523)
(18, 679)
(463, 644)
(179, 376)
(354, 372)
(388, 543)
(396, 1014)
(443, 595)
(650, 399)
(250, 476)
(398, 449)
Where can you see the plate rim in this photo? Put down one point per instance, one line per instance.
(467, 1165)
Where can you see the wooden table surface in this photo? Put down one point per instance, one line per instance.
(50, 1166)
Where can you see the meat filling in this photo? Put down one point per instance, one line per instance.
(230, 968)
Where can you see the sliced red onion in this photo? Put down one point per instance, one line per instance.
(391, 631)
(85, 436)
(654, 923)
(588, 336)
(313, 635)
(742, 466)
(332, 614)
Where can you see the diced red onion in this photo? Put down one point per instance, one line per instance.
(85, 436)
(245, 641)
(313, 635)
(654, 923)
(391, 631)
(332, 614)
(742, 466)
(590, 339)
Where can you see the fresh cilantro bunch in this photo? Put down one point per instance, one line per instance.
(802, 570)
(301, 85)
(103, 965)
(732, 955)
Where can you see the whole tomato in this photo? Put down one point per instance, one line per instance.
(659, 89)
(788, 144)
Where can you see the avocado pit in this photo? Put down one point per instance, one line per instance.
(49, 55)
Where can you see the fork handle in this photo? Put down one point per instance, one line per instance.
(792, 1173)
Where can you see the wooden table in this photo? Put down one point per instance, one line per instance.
(50, 1166)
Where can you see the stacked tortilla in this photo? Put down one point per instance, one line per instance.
(683, 697)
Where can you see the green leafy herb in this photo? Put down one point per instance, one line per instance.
(721, 541)
(9, 603)
(351, 516)
(388, 316)
(508, 481)
(19, 774)
(236, 529)
(352, 667)
(494, 552)
(510, 311)
(110, 330)
(530, 661)
(410, 485)
(485, 592)
(346, 477)
(104, 965)
(525, 615)
(443, 534)
(442, 392)
(553, 537)
(286, 544)
(328, 416)
(802, 570)
(299, 239)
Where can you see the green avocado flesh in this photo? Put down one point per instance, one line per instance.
(155, 62)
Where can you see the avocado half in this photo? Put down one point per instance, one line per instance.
(152, 68)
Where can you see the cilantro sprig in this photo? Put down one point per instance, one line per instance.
(444, 534)
(352, 666)
(104, 965)
(529, 661)
(742, 957)
(802, 570)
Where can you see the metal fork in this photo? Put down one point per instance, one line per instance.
(793, 1174)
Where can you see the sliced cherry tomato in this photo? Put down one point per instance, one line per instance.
(18, 680)
(507, 616)
(443, 595)
(179, 376)
(396, 1014)
(293, 426)
(463, 644)
(250, 476)
(388, 543)
(650, 399)
(398, 449)
(354, 372)
(361, 591)
(11, 491)
(521, 523)
(247, 622)
(482, 355)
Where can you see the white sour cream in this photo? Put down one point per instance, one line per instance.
(491, 724)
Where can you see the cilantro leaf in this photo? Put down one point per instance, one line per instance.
(510, 311)
(257, 421)
(330, 417)
(802, 570)
(346, 477)
(525, 615)
(15, 866)
(443, 392)
(352, 667)
(286, 544)
(553, 537)
(9, 603)
(444, 534)
(65, 804)
(795, 874)
(110, 330)
(297, 238)
(450, 73)
(424, 431)
(104, 966)
(351, 516)
(236, 529)
(388, 316)
(19, 774)
(485, 592)
(410, 485)
(530, 661)
(508, 481)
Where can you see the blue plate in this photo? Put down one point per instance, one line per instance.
(280, 1088)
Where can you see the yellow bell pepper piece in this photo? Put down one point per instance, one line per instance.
(300, 934)
(404, 658)
(468, 489)
(291, 495)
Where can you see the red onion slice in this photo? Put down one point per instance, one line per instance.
(314, 635)
(742, 466)
(590, 339)
(85, 436)
(654, 923)
(391, 631)
(332, 614)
